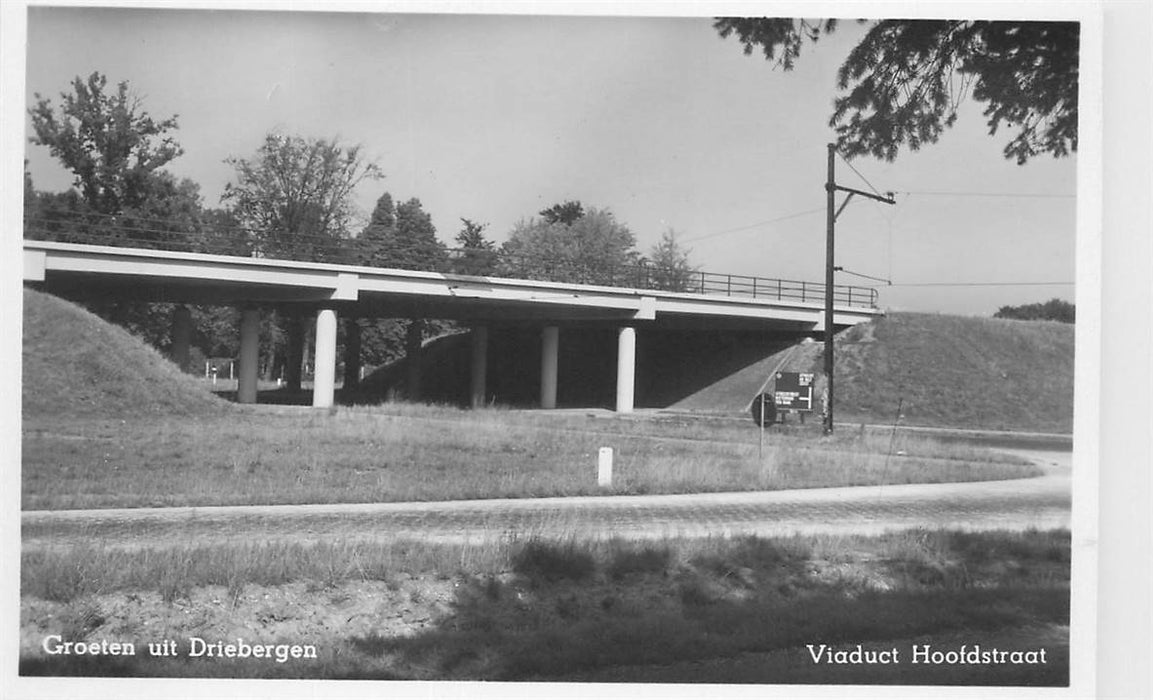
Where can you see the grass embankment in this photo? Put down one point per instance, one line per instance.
(957, 371)
(536, 609)
(78, 366)
(413, 453)
(944, 371)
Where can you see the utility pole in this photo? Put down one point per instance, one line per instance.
(832, 213)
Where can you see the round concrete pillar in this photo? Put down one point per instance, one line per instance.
(249, 355)
(324, 372)
(550, 350)
(626, 368)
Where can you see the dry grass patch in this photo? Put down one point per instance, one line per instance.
(416, 453)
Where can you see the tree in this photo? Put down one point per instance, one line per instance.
(401, 237)
(1052, 310)
(397, 236)
(594, 248)
(477, 254)
(564, 213)
(121, 195)
(169, 215)
(108, 142)
(295, 196)
(372, 243)
(903, 82)
(471, 236)
(669, 266)
(417, 247)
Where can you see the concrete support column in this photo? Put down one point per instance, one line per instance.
(626, 368)
(351, 353)
(181, 336)
(294, 363)
(549, 351)
(413, 343)
(249, 355)
(324, 372)
(479, 366)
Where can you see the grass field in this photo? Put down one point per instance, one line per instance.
(411, 452)
(525, 609)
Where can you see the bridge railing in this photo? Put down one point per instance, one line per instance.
(224, 239)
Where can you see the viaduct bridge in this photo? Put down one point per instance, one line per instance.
(716, 303)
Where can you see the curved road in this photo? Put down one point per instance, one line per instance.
(1043, 502)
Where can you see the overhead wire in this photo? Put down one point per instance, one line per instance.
(858, 172)
(888, 220)
(1025, 195)
(786, 217)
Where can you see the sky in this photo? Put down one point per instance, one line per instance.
(658, 119)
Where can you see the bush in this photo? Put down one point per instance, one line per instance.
(639, 561)
(549, 561)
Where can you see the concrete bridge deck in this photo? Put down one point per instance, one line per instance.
(83, 271)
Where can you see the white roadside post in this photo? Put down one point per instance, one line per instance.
(605, 467)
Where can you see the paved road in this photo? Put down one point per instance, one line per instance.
(1017, 504)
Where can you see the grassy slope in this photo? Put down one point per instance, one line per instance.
(957, 371)
(76, 365)
(950, 371)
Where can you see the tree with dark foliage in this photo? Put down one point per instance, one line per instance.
(564, 213)
(902, 84)
(1052, 310)
(477, 254)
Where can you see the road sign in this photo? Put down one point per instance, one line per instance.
(793, 391)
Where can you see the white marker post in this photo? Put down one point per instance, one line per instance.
(605, 467)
